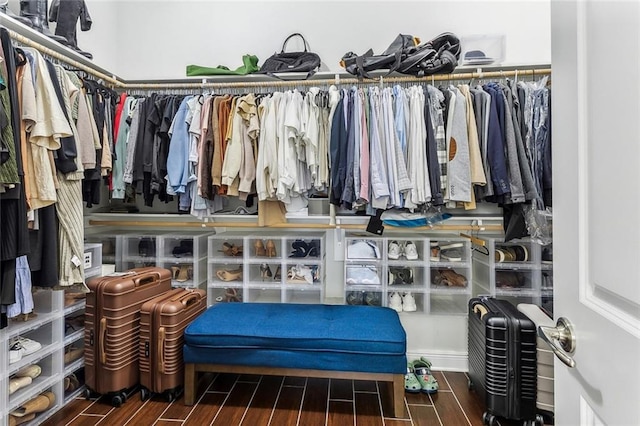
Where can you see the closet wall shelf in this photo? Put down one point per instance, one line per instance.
(32, 38)
(286, 225)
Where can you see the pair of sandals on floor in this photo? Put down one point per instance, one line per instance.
(418, 377)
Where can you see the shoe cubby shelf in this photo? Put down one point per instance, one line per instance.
(520, 271)
(409, 274)
(184, 254)
(275, 268)
(47, 327)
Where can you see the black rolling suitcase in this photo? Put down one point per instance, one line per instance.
(502, 361)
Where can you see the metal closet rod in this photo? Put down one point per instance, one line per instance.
(349, 81)
(119, 84)
(59, 56)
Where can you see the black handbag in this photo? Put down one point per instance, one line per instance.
(282, 62)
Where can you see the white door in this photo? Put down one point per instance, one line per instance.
(596, 210)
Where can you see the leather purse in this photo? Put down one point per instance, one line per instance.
(285, 62)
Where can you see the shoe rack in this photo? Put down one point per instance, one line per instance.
(45, 327)
(185, 255)
(266, 267)
(520, 271)
(372, 276)
(40, 376)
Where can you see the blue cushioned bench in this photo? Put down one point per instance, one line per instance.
(326, 341)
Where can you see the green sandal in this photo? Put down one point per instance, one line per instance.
(411, 382)
(422, 370)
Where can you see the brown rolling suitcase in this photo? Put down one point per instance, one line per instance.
(112, 328)
(162, 323)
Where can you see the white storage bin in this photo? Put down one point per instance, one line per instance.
(303, 295)
(448, 304)
(365, 297)
(224, 295)
(263, 295)
(485, 49)
(364, 248)
(186, 257)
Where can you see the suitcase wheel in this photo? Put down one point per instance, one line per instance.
(470, 385)
(89, 394)
(539, 421)
(489, 419)
(117, 400)
(170, 396)
(144, 394)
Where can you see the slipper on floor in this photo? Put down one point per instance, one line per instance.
(411, 382)
(422, 370)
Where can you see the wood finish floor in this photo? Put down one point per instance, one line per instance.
(229, 399)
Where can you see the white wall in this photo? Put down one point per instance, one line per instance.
(158, 39)
(102, 40)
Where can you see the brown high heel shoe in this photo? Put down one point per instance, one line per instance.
(232, 295)
(271, 249)
(229, 274)
(174, 272)
(258, 245)
(185, 273)
(230, 249)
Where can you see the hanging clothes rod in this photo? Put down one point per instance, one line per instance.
(59, 56)
(336, 81)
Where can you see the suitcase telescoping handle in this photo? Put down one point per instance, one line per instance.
(161, 339)
(102, 339)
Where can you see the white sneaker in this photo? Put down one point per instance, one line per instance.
(15, 352)
(408, 302)
(410, 251)
(29, 346)
(394, 250)
(395, 302)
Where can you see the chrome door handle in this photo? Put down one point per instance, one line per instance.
(561, 339)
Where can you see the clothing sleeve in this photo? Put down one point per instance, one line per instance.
(132, 140)
(85, 134)
(234, 154)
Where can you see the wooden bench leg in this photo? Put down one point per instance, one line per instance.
(397, 396)
(190, 384)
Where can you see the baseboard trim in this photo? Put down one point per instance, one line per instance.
(443, 361)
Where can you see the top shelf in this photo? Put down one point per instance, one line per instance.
(30, 37)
